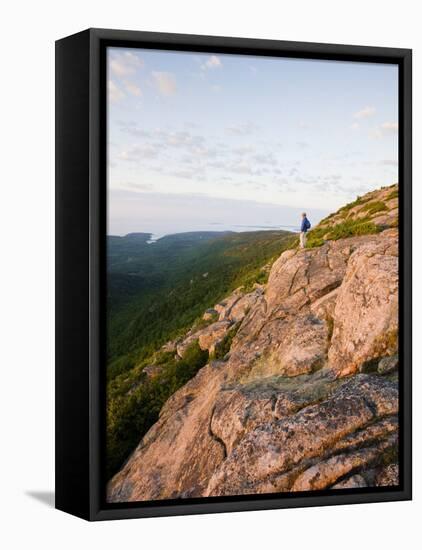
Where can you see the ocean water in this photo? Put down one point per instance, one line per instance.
(161, 214)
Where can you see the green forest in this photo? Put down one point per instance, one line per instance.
(155, 293)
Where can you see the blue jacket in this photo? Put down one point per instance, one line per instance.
(305, 225)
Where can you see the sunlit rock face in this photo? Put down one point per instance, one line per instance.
(306, 398)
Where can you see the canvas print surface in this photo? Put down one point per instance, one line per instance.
(252, 275)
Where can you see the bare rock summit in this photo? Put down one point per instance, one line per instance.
(307, 398)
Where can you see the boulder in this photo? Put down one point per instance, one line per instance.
(210, 314)
(152, 370)
(325, 473)
(352, 482)
(388, 364)
(241, 307)
(170, 347)
(179, 453)
(366, 311)
(224, 307)
(207, 337)
(298, 346)
(211, 335)
(388, 476)
(276, 447)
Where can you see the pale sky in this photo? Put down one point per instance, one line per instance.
(202, 141)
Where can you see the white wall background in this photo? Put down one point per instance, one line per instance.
(27, 272)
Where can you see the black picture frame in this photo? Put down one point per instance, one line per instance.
(80, 270)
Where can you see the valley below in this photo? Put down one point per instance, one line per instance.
(239, 363)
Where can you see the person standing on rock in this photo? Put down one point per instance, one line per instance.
(304, 227)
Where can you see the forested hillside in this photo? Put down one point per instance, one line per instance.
(156, 292)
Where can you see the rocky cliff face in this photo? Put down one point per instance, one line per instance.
(307, 396)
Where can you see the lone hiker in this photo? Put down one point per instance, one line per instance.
(305, 225)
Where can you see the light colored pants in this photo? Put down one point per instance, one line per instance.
(302, 239)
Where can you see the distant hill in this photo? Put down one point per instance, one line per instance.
(135, 264)
(155, 290)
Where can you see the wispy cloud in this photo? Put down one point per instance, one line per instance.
(213, 62)
(389, 127)
(303, 144)
(190, 155)
(187, 174)
(136, 186)
(178, 138)
(245, 129)
(366, 112)
(115, 94)
(125, 63)
(139, 152)
(384, 129)
(244, 150)
(165, 82)
(132, 88)
(266, 158)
